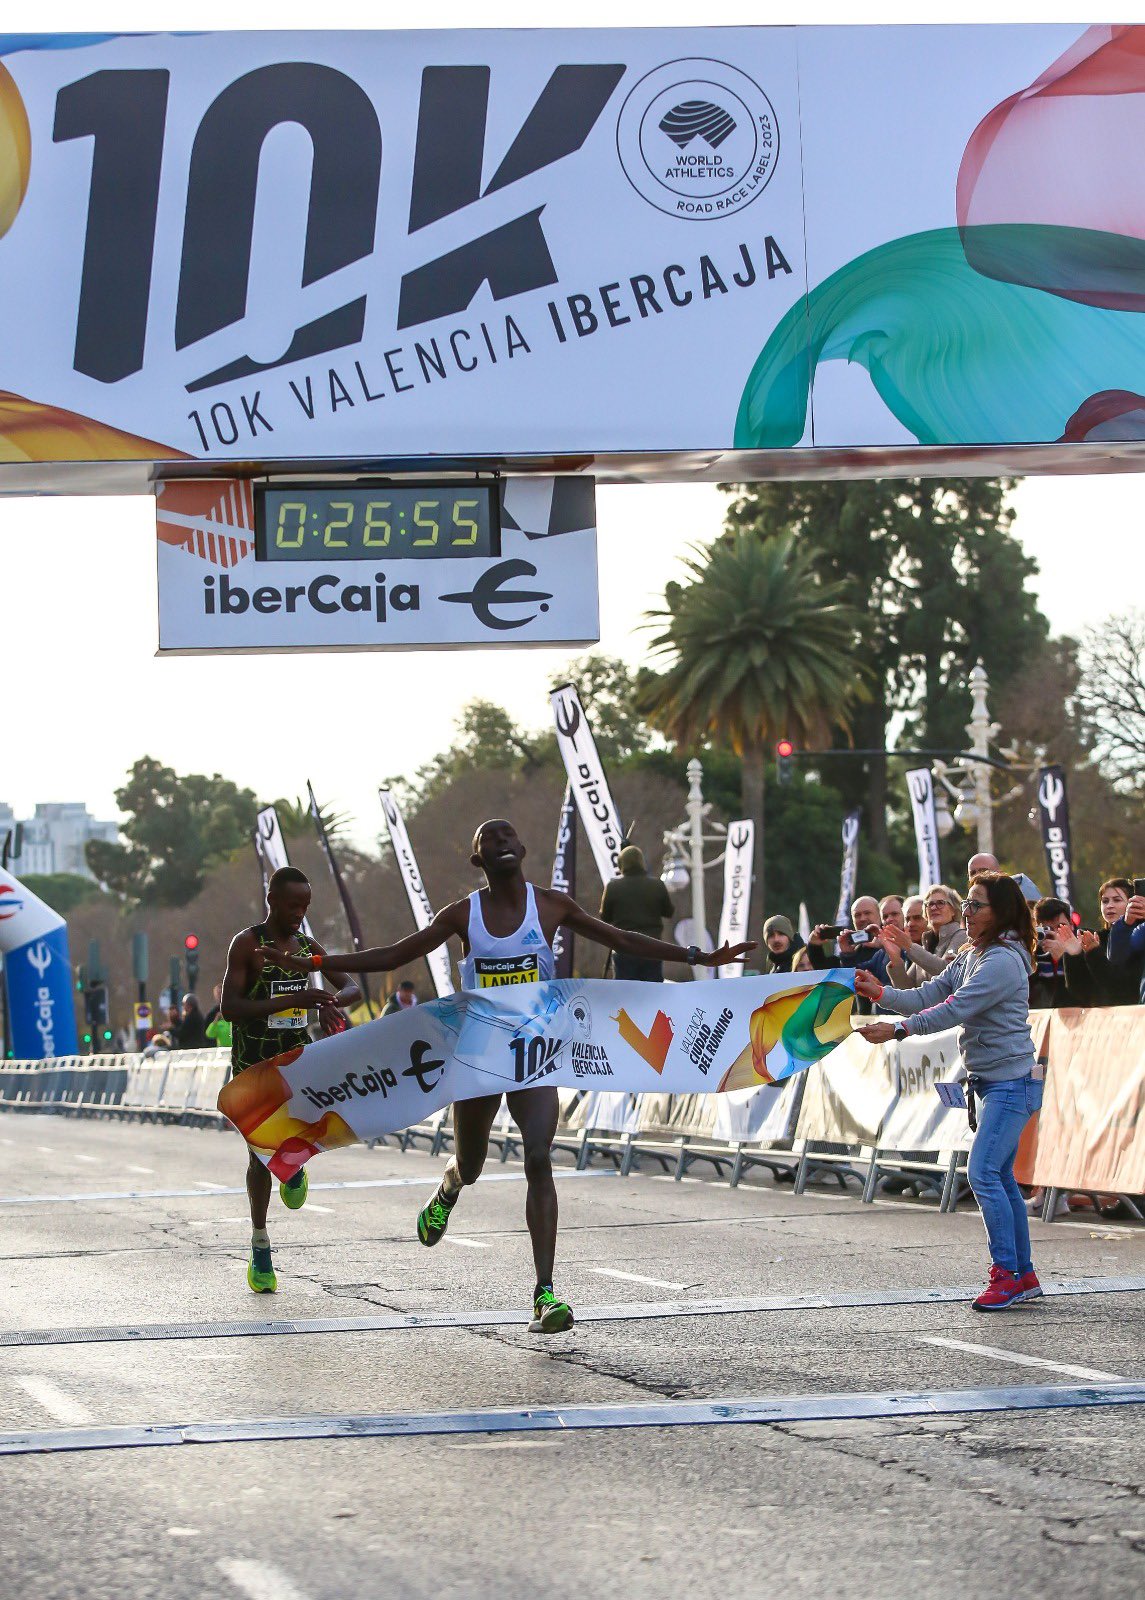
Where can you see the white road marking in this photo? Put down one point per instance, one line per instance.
(219, 1188)
(326, 1210)
(1023, 1360)
(634, 1277)
(219, 1222)
(60, 1407)
(263, 1582)
(183, 1533)
(470, 1244)
(258, 1580)
(45, 1149)
(205, 1190)
(91, 1160)
(1099, 1226)
(150, 1171)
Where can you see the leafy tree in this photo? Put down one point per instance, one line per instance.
(176, 829)
(295, 820)
(61, 890)
(1110, 695)
(759, 648)
(940, 582)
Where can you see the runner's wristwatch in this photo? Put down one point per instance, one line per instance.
(900, 1032)
(693, 954)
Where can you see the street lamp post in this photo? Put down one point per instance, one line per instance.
(981, 731)
(684, 862)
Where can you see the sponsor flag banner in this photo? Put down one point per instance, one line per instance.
(849, 874)
(1053, 811)
(437, 960)
(38, 974)
(736, 914)
(564, 879)
(705, 1038)
(589, 786)
(920, 787)
(270, 849)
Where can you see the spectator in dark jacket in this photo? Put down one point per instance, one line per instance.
(868, 956)
(1091, 979)
(783, 945)
(639, 903)
(1047, 981)
(1126, 948)
(192, 1031)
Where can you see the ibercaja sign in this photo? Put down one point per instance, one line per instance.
(334, 564)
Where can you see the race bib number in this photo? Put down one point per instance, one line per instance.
(292, 1016)
(493, 973)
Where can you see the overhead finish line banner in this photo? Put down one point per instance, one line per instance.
(363, 246)
(693, 1038)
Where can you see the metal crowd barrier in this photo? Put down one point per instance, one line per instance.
(867, 1115)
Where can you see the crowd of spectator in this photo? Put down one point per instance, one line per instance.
(904, 940)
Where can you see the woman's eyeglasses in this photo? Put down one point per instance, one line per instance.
(969, 907)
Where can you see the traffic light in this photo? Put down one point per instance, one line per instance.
(784, 750)
(107, 1036)
(87, 1040)
(191, 947)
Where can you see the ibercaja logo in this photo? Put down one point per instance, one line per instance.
(698, 139)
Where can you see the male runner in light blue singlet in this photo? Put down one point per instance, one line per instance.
(506, 931)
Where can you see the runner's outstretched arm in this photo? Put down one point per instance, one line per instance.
(386, 957)
(576, 918)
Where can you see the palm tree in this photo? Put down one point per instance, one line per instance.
(759, 649)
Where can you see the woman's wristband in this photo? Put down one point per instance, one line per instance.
(316, 963)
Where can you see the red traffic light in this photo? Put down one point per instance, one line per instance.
(785, 748)
(191, 942)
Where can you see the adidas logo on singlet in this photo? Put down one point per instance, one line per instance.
(532, 937)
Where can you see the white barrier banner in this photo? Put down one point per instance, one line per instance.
(587, 781)
(702, 1037)
(918, 1120)
(758, 1116)
(736, 912)
(847, 1097)
(920, 787)
(438, 960)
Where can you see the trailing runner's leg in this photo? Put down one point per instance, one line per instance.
(472, 1125)
(535, 1112)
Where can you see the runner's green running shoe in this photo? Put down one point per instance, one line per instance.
(260, 1271)
(294, 1191)
(434, 1219)
(550, 1315)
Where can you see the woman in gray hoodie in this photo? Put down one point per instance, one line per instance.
(984, 993)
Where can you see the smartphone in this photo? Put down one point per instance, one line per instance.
(832, 930)
(1139, 886)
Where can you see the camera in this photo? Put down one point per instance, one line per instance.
(862, 936)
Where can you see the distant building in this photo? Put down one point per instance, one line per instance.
(55, 837)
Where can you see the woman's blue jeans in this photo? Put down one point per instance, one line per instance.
(1003, 1111)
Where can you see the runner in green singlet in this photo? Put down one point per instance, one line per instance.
(267, 1008)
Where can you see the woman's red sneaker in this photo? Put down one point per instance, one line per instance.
(1004, 1289)
(1029, 1285)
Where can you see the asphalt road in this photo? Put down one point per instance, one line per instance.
(112, 1230)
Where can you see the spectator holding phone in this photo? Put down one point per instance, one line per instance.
(1126, 947)
(1090, 978)
(984, 992)
(1055, 931)
(859, 945)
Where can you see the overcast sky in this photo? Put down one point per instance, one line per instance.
(85, 694)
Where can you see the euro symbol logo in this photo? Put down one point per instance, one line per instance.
(567, 714)
(266, 825)
(738, 839)
(389, 808)
(1051, 793)
(420, 1068)
(40, 957)
(488, 592)
(851, 829)
(920, 788)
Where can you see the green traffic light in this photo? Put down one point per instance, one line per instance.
(87, 1038)
(107, 1033)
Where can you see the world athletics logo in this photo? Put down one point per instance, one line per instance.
(698, 139)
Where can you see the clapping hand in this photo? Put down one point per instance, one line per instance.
(898, 937)
(1135, 910)
(1088, 940)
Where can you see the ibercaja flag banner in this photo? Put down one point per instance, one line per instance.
(698, 1038)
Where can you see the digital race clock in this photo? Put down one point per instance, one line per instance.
(330, 522)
